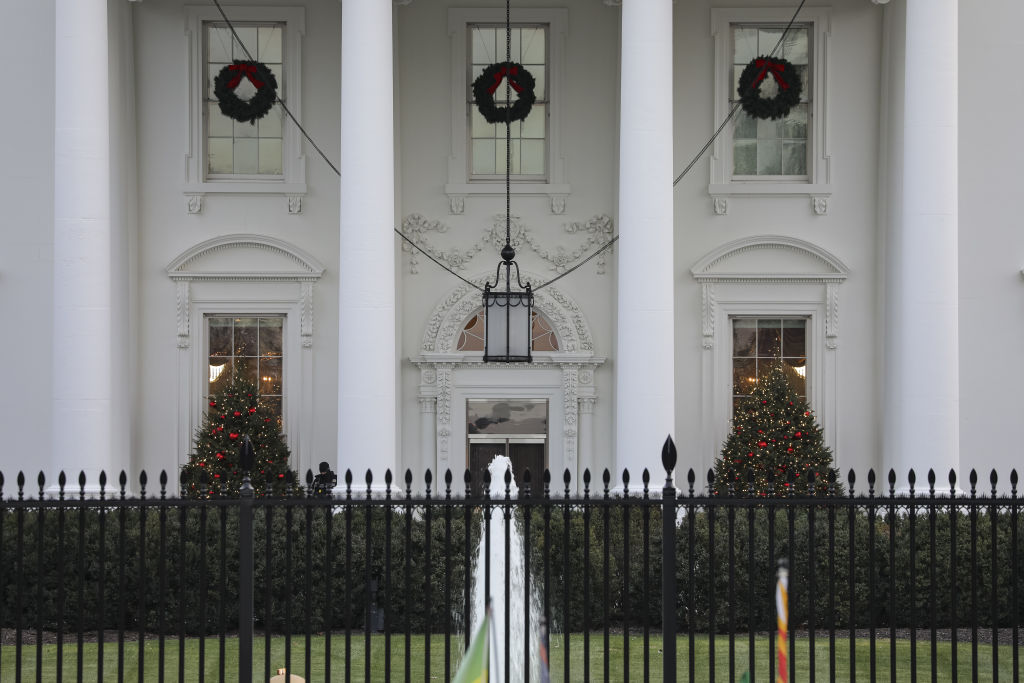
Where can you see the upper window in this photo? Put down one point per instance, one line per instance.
(239, 149)
(232, 156)
(476, 164)
(765, 148)
(251, 348)
(529, 137)
(765, 157)
(760, 343)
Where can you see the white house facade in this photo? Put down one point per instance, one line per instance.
(149, 245)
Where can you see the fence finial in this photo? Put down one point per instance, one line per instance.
(669, 458)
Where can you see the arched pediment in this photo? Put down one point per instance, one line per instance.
(769, 258)
(451, 315)
(245, 257)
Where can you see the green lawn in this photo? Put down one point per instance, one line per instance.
(417, 657)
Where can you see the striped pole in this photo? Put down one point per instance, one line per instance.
(782, 619)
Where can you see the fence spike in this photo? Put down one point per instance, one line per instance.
(21, 485)
(892, 482)
(871, 482)
(369, 478)
(408, 477)
(508, 483)
(566, 477)
(526, 478)
(103, 483)
(625, 481)
(81, 483)
(123, 481)
(911, 479)
(711, 478)
(309, 479)
(646, 479)
(668, 458)
(142, 482)
(1013, 482)
(586, 483)
(810, 481)
(974, 482)
(993, 478)
(41, 480)
(1, 485)
(447, 478)
(428, 478)
(952, 482)
(467, 479)
(547, 483)
(607, 477)
(931, 482)
(730, 489)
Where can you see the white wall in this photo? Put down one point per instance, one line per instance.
(26, 242)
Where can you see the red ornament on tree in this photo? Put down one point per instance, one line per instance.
(237, 414)
(233, 435)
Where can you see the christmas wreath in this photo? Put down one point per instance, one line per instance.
(749, 89)
(487, 83)
(234, 107)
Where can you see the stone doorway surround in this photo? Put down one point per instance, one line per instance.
(448, 377)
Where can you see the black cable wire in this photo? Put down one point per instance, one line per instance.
(604, 246)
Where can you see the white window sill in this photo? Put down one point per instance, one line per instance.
(818, 193)
(457, 193)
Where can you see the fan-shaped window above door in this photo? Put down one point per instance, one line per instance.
(472, 336)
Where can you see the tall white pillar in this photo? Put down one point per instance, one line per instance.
(644, 367)
(366, 269)
(922, 379)
(82, 244)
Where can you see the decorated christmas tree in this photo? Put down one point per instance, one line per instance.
(774, 434)
(214, 467)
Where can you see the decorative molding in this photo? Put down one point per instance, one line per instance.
(820, 205)
(442, 330)
(829, 268)
(558, 204)
(721, 206)
(598, 231)
(444, 411)
(309, 268)
(457, 204)
(294, 204)
(587, 404)
(194, 203)
(306, 323)
(183, 311)
(832, 314)
(707, 313)
(428, 405)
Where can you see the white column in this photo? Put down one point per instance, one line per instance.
(922, 380)
(82, 244)
(366, 269)
(645, 378)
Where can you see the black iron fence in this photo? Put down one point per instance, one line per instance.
(636, 580)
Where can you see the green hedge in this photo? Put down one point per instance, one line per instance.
(51, 588)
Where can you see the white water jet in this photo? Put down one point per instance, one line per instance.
(517, 603)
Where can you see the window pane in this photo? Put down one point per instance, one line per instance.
(218, 44)
(244, 129)
(480, 127)
(768, 129)
(270, 336)
(270, 125)
(221, 371)
(540, 77)
(767, 39)
(269, 47)
(246, 335)
(796, 375)
(745, 127)
(484, 155)
(794, 48)
(220, 156)
(744, 336)
(218, 125)
(744, 159)
(220, 336)
(483, 46)
(533, 46)
(246, 156)
(794, 158)
(247, 34)
(535, 125)
(769, 338)
(744, 44)
(743, 376)
(794, 338)
(270, 376)
(769, 157)
(270, 156)
(795, 125)
(532, 157)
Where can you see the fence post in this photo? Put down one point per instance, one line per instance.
(245, 567)
(668, 563)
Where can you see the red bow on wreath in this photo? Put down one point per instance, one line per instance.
(776, 69)
(247, 71)
(502, 73)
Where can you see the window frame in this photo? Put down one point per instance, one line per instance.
(817, 183)
(733, 357)
(284, 357)
(460, 181)
(292, 181)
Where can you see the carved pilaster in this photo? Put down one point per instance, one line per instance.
(306, 324)
(570, 403)
(831, 315)
(707, 314)
(444, 412)
(183, 312)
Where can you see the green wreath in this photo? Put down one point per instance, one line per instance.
(790, 88)
(487, 83)
(231, 105)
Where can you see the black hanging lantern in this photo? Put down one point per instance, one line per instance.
(508, 314)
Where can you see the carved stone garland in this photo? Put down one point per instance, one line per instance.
(597, 230)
